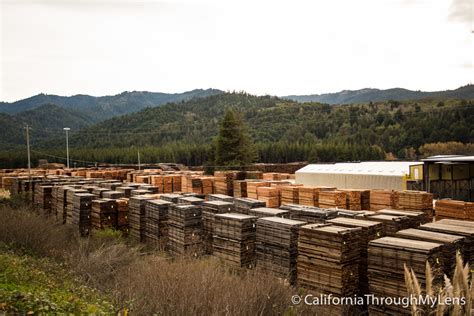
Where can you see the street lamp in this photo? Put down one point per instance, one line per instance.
(67, 129)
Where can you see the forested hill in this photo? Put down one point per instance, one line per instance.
(373, 95)
(100, 108)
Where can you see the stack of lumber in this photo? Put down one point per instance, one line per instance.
(98, 191)
(454, 209)
(90, 188)
(240, 188)
(328, 259)
(111, 185)
(81, 212)
(126, 190)
(151, 189)
(331, 199)
(418, 218)
(269, 195)
(137, 192)
(451, 244)
(416, 201)
(185, 229)
(156, 180)
(309, 196)
(136, 216)
(387, 257)
(289, 194)
(113, 194)
(257, 175)
(156, 222)
(271, 176)
(167, 184)
(357, 199)
(223, 181)
(370, 231)
(170, 197)
(252, 188)
(277, 246)
(267, 212)
(190, 200)
(234, 239)
(460, 228)
(392, 223)
(220, 197)
(209, 210)
(103, 215)
(355, 214)
(309, 214)
(122, 215)
(381, 199)
(243, 205)
(142, 179)
(59, 195)
(207, 185)
(43, 198)
(177, 186)
(69, 202)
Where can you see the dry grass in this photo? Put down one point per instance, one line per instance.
(4, 194)
(148, 283)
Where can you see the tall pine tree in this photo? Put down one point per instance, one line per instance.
(233, 145)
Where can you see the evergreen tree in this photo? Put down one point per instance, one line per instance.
(233, 146)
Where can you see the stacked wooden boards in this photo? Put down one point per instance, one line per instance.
(192, 200)
(267, 212)
(387, 257)
(454, 209)
(43, 199)
(416, 201)
(185, 229)
(277, 246)
(357, 199)
(209, 211)
(243, 205)
(156, 222)
(370, 231)
(289, 194)
(103, 214)
(81, 212)
(252, 188)
(381, 199)
(330, 199)
(136, 216)
(240, 188)
(309, 196)
(269, 195)
(224, 180)
(220, 197)
(416, 218)
(392, 223)
(69, 202)
(234, 239)
(122, 215)
(309, 214)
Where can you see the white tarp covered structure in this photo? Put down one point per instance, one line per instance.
(357, 175)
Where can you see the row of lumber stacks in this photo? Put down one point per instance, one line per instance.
(328, 260)
(234, 239)
(224, 180)
(59, 197)
(209, 211)
(451, 244)
(387, 257)
(252, 188)
(332, 199)
(244, 205)
(70, 202)
(277, 246)
(454, 209)
(156, 222)
(370, 231)
(383, 199)
(269, 195)
(416, 201)
(185, 229)
(289, 194)
(267, 212)
(309, 196)
(392, 223)
(357, 199)
(43, 199)
(81, 213)
(416, 218)
(309, 214)
(104, 214)
(122, 215)
(240, 188)
(136, 216)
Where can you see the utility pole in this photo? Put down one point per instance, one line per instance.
(139, 167)
(67, 129)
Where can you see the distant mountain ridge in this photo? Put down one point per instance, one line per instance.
(105, 107)
(375, 95)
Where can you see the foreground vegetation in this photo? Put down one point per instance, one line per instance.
(104, 273)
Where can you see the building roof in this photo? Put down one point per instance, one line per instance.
(380, 168)
(449, 158)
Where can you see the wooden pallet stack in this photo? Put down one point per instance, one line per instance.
(267, 212)
(81, 212)
(156, 222)
(69, 202)
(136, 216)
(269, 195)
(220, 197)
(243, 205)
(103, 215)
(382, 199)
(451, 244)
(416, 201)
(460, 228)
(209, 211)
(234, 239)
(370, 231)
(289, 194)
(332, 199)
(43, 199)
(252, 188)
(309, 214)
(328, 259)
(185, 230)
(122, 215)
(392, 223)
(240, 188)
(277, 246)
(454, 209)
(113, 195)
(417, 218)
(357, 199)
(387, 257)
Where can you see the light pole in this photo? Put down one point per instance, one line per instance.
(67, 129)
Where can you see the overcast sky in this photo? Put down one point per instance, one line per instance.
(104, 47)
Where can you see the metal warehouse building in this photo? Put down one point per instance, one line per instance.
(396, 175)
